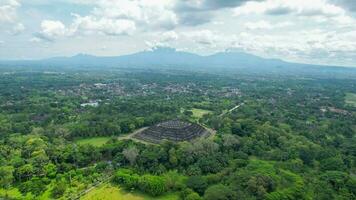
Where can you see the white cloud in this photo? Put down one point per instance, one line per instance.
(204, 37)
(305, 45)
(292, 29)
(115, 18)
(266, 25)
(89, 24)
(300, 7)
(8, 12)
(145, 13)
(169, 36)
(17, 29)
(50, 30)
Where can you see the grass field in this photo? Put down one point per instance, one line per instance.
(95, 141)
(350, 99)
(109, 192)
(198, 113)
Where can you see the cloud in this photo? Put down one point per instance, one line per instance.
(266, 25)
(282, 7)
(169, 36)
(146, 14)
(204, 37)
(107, 26)
(346, 4)
(18, 29)
(114, 18)
(8, 12)
(318, 46)
(196, 12)
(50, 30)
(209, 4)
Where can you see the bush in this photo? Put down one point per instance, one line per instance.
(59, 189)
(193, 196)
(153, 185)
(189, 194)
(127, 178)
(197, 183)
(219, 192)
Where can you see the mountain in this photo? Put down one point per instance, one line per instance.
(171, 58)
(157, 57)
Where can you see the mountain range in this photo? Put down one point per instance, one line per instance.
(171, 58)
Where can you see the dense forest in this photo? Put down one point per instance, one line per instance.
(64, 134)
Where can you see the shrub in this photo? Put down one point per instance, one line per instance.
(153, 185)
(197, 183)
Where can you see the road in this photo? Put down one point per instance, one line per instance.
(232, 109)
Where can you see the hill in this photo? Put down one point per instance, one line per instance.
(169, 58)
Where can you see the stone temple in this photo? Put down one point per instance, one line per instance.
(173, 130)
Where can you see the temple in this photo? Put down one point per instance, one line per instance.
(173, 130)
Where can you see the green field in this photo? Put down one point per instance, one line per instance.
(198, 113)
(350, 99)
(109, 192)
(95, 141)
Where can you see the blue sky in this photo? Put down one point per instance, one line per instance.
(308, 31)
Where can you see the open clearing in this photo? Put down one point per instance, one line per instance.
(198, 113)
(350, 99)
(95, 141)
(109, 192)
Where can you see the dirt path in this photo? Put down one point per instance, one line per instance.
(95, 185)
(130, 136)
(232, 109)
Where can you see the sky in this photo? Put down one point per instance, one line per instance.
(306, 31)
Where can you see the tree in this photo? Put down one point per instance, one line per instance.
(127, 178)
(173, 157)
(58, 189)
(25, 172)
(230, 141)
(50, 170)
(153, 185)
(173, 180)
(219, 192)
(260, 185)
(131, 154)
(188, 113)
(197, 183)
(193, 196)
(333, 163)
(6, 176)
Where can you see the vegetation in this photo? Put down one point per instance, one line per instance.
(350, 99)
(290, 137)
(95, 141)
(199, 113)
(109, 192)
